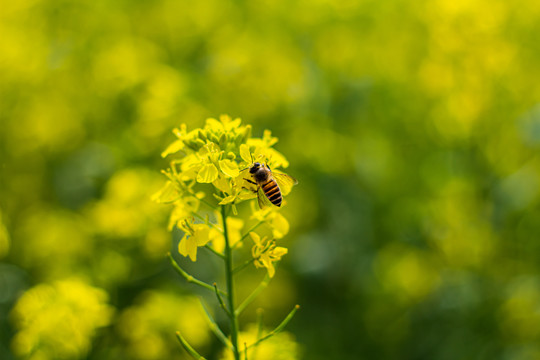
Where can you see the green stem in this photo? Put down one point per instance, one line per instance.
(214, 251)
(214, 327)
(247, 233)
(190, 278)
(279, 328)
(243, 266)
(220, 300)
(263, 284)
(211, 206)
(188, 347)
(230, 286)
(260, 313)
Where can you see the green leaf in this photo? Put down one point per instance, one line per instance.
(229, 168)
(207, 174)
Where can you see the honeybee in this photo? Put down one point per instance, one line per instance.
(271, 186)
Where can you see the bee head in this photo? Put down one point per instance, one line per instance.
(254, 167)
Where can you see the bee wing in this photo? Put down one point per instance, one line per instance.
(262, 199)
(285, 182)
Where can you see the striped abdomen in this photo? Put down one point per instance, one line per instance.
(272, 192)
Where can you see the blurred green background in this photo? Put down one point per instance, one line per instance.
(413, 128)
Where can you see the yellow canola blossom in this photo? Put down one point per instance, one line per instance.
(59, 320)
(234, 227)
(213, 162)
(266, 253)
(275, 221)
(281, 346)
(147, 325)
(195, 235)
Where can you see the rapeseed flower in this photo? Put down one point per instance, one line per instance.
(220, 154)
(281, 346)
(59, 320)
(210, 170)
(195, 235)
(266, 253)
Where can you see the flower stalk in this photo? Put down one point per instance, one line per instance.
(230, 286)
(191, 351)
(222, 154)
(262, 285)
(279, 328)
(190, 278)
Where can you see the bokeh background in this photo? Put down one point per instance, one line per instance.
(412, 126)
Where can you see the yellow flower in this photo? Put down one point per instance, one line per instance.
(266, 252)
(195, 235)
(277, 222)
(236, 192)
(216, 154)
(59, 320)
(234, 227)
(208, 172)
(219, 154)
(281, 346)
(183, 210)
(262, 149)
(147, 325)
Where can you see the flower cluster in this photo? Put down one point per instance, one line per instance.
(219, 154)
(47, 314)
(265, 252)
(210, 170)
(146, 325)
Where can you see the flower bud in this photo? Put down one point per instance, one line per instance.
(202, 136)
(223, 140)
(213, 138)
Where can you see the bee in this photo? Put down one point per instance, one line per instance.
(271, 186)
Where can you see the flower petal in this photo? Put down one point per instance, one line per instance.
(280, 226)
(235, 226)
(229, 167)
(232, 124)
(182, 249)
(222, 184)
(187, 247)
(256, 238)
(229, 199)
(174, 147)
(245, 154)
(207, 174)
(213, 125)
(218, 241)
(279, 251)
(202, 234)
(271, 270)
(168, 193)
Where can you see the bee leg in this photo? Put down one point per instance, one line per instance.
(251, 182)
(254, 191)
(267, 161)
